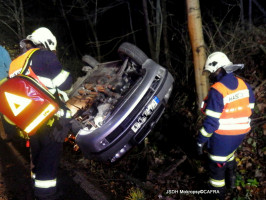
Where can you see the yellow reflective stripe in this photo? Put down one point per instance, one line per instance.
(213, 113)
(232, 158)
(217, 183)
(252, 105)
(62, 113)
(52, 90)
(39, 118)
(233, 109)
(27, 60)
(3, 80)
(234, 120)
(45, 184)
(60, 78)
(55, 82)
(221, 158)
(8, 120)
(46, 81)
(234, 126)
(61, 94)
(241, 94)
(68, 114)
(240, 123)
(205, 133)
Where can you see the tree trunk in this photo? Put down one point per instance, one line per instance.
(262, 10)
(250, 14)
(165, 36)
(158, 30)
(94, 31)
(17, 18)
(242, 13)
(198, 48)
(147, 24)
(22, 19)
(91, 23)
(97, 44)
(69, 29)
(130, 22)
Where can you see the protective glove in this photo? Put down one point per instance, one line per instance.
(61, 129)
(200, 149)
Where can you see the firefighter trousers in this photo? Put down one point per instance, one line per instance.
(45, 156)
(220, 175)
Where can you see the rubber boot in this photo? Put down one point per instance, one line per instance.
(230, 177)
(232, 181)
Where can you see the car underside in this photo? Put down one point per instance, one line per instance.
(116, 104)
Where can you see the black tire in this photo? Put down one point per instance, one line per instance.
(127, 50)
(90, 61)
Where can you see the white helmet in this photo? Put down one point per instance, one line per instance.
(217, 60)
(43, 36)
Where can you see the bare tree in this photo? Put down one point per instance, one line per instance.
(250, 13)
(242, 12)
(260, 7)
(198, 47)
(153, 25)
(158, 32)
(130, 21)
(165, 35)
(147, 26)
(89, 12)
(91, 17)
(68, 27)
(12, 16)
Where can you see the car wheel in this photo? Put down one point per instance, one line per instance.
(90, 61)
(127, 50)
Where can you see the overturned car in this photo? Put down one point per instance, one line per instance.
(116, 104)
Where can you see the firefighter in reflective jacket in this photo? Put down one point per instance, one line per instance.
(46, 144)
(228, 108)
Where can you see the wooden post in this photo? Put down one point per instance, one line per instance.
(198, 48)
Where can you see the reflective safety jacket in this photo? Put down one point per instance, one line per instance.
(44, 67)
(229, 105)
(234, 119)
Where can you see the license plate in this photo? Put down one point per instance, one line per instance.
(145, 114)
